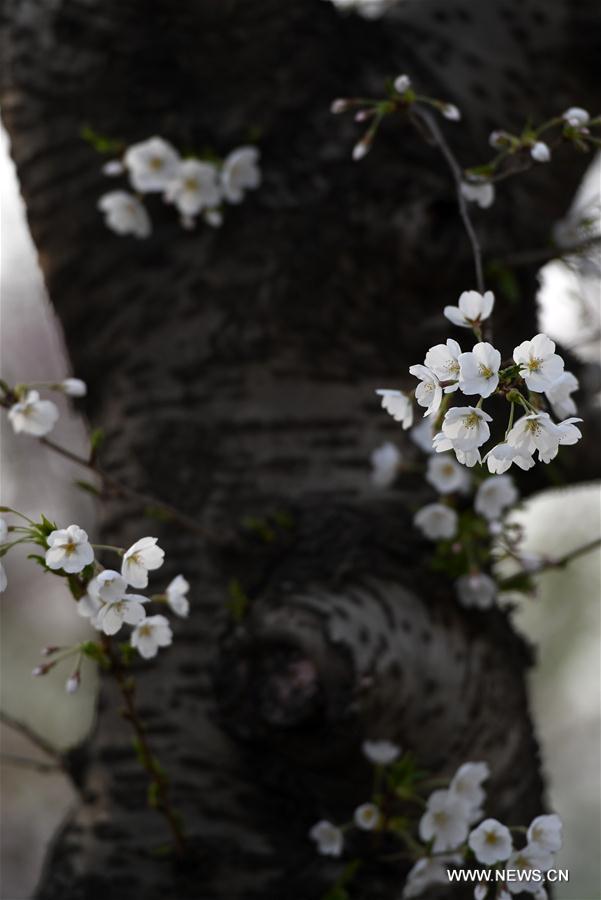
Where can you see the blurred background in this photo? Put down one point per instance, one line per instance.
(563, 621)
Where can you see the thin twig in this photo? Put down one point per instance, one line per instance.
(25, 762)
(571, 555)
(32, 736)
(457, 172)
(157, 776)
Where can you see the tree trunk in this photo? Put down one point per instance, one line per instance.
(233, 372)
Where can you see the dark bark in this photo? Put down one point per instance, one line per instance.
(233, 372)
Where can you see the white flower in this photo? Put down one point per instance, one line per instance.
(500, 458)
(32, 415)
(467, 785)
(423, 435)
(195, 187)
(540, 152)
(213, 217)
(494, 496)
(328, 837)
(479, 370)
(473, 308)
(151, 164)
(90, 604)
(444, 474)
(176, 596)
(476, 589)
(73, 682)
(3, 531)
(367, 817)
(480, 891)
(533, 432)
(443, 360)
(426, 872)
(117, 606)
(568, 434)
(385, 461)
(499, 139)
(398, 405)
(482, 193)
(125, 214)
(451, 112)
(445, 821)
(491, 842)
(113, 167)
(3, 579)
(466, 427)
(402, 83)
(576, 117)
(240, 172)
(526, 860)
(74, 387)
(142, 557)
(69, 549)
(339, 105)
(436, 521)
(428, 393)
(381, 753)
(442, 444)
(559, 397)
(540, 366)
(150, 634)
(545, 833)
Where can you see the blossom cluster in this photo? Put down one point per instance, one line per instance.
(452, 829)
(195, 187)
(28, 413)
(572, 126)
(534, 370)
(401, 97)
(103, 595)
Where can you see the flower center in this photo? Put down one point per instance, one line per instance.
(491, 838)
(534, 364)
(145, 630)
(155, 163)
(485, 371)
(471, 421)
(440, 818)
(69, 548)
(533, 426)
(191, 184)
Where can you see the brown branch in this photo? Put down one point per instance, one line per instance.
(25, 762)
(457, 173)
(33, 737)
(158, 779)
(546, 254)
(571, 555)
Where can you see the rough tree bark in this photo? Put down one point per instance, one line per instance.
(233, 373)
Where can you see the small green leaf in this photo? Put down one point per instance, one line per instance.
(101, 143)
(88, 487)
(239, 601)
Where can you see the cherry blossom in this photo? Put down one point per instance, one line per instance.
(576, 117)
(32, 415)
(402, 83)
(125, 214)
(501, 457)
(476, 589)
(494, 496)
(143, 556)
(480, 192)
(73, 387)
(176, 594)
(443, 360)
(385, 461)
(426, 872)
(466, 427)
(479, 370)
(445, 821)
(535, 431)
(527, 860)
(472, 310)
(444, 474)
(381, 752)
(540, 366)
(467, 785)
(559, 397)
(540, 152)
(398, 405)
(150, 634)
(428, 393)
(117, 606)
(69, 550)
(436, 521)
(328, 837)
(451, 112)
(367, 817)
(151, 165)
(491, 842)
(423, 435)
(240, 173)
(545, 833)
(194, 188)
